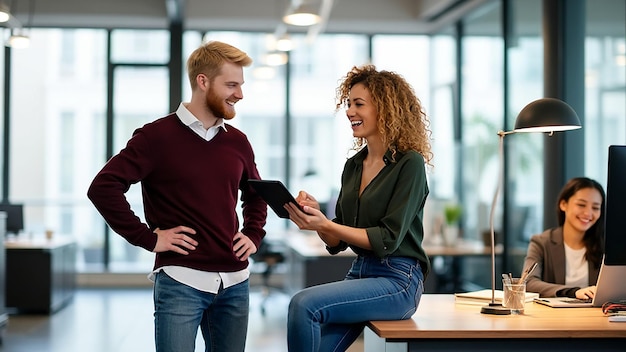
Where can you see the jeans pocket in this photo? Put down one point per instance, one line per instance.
(400, 266)
(403, 268)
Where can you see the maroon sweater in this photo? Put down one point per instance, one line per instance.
(185, 180)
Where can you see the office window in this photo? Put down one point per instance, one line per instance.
(442, 64)
(52, 118)
(68, 149)
(524, 152)
(4, 32)
(191, 41)
(444, 176)
(408, 55)
(605, 83)
(320, 138)
(482, 116)
(140, 46)
(68, 46)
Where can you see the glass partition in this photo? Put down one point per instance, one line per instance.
(605, 83)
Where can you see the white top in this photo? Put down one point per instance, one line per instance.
(576, 267)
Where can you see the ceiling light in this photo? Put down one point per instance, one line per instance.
(302, 15)
(276, 58)
(5, 15)
(284, 43)
(264, 72)
(19, 39)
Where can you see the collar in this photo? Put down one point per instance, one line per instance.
(187, 118)
(361, 154)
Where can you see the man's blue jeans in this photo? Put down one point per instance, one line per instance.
(179, 310)
(330, 317)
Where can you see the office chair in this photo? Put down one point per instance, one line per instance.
(270, 256)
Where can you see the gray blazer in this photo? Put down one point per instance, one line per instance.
(548, 250)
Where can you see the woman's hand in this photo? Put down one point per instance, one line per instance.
(309, 219)
(586, 292)
(305, 199)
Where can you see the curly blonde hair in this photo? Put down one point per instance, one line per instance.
(402, 122)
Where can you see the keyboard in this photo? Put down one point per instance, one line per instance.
(577, 300)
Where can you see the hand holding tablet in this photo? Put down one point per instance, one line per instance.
(275, 194)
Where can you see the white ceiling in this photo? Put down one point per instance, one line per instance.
(354, 16)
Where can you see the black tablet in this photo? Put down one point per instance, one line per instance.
(275, 194)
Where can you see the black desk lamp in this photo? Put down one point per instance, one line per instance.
(547, 115)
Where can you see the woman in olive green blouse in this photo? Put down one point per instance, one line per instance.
(378, 215)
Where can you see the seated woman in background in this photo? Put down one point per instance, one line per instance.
(568, 257)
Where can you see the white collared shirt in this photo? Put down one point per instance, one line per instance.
(198, 279)
(192, 122)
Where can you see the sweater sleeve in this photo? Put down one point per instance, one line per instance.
(254, 208)
(108, 188)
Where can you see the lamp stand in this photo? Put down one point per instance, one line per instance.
(542, 115)
(493, 307)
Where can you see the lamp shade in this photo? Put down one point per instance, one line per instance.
(19, 39)
(284, 43)
(302, 15)
(5, 15)
(275, 58)
(547, 115)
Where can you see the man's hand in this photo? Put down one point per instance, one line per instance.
(175, 240)
(243, 247)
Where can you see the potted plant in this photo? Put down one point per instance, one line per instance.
(452, 214)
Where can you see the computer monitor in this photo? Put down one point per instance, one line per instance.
(615, 217)
(15, 217)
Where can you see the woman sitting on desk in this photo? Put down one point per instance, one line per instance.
(379, 215)
(569, 256)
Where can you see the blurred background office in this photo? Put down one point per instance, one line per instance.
(96, 70)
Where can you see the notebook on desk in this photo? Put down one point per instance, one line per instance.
(611, 286)
(483, 297)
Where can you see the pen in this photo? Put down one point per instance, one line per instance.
(528, 272)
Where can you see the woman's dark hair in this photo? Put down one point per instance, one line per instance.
(594, 237)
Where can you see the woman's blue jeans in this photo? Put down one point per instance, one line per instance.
(179, 310)
(330, 317)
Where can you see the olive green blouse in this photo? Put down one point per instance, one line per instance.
(391, 207)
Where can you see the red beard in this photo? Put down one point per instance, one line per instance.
(218, 107)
